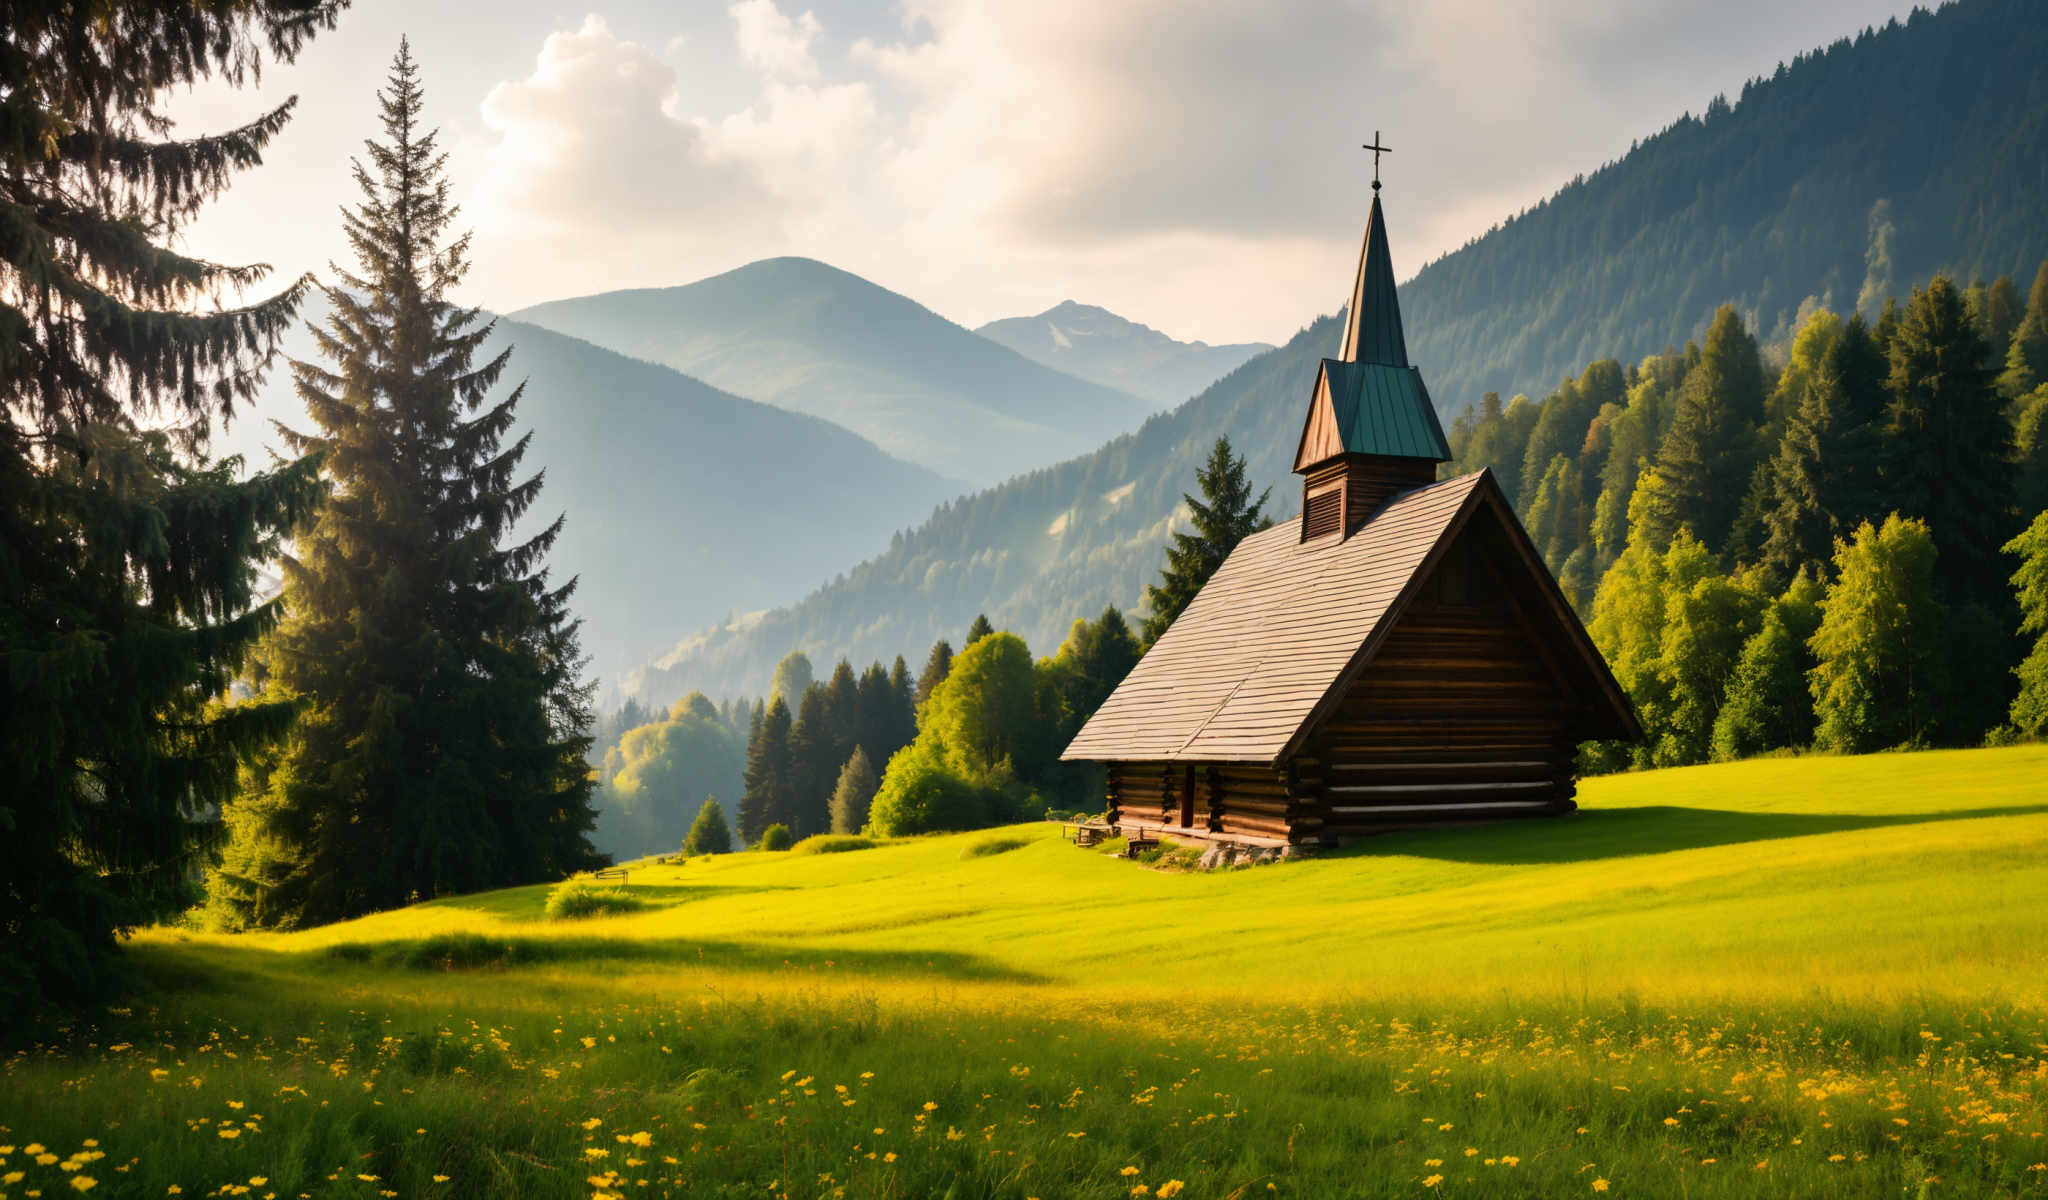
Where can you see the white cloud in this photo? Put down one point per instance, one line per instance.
(1190, 163)
(778, 45)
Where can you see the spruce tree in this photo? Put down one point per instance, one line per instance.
(1947, 443)
(815, 758)
(1707, 456)
(2026, 358)
(1824, 476)
(937, 665)
(853, 793)
(708, 833)
(127, 588)
(1222, 518)
(977, 631)
(903, 708)
(441, 742)
(842, 711)
(873, 720)
(770, 777)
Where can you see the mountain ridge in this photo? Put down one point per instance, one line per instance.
(1094, 343)
(813, 338)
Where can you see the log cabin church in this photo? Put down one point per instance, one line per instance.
(1397, 654)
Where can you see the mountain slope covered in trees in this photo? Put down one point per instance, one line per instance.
(1848, 174)
(801, 335)
(1938, 125)
(659, 474)
(1094, 343)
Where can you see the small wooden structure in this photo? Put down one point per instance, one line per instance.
(1398, 654)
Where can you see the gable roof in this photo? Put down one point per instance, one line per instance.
(1285, 625)
(1372, 327)
(1369, 408)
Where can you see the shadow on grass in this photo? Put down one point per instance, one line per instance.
(1619, 832)
(530, 903)
(201, 967)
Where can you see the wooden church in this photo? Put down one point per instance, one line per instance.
(1397, 654)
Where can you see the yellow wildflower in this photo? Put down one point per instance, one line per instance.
(593, 1123)
(83, 1183)
(1432, 1180)
(1128, 1171)
(1169, 1189)
(1600, 1185)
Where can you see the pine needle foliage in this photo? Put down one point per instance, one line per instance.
(1223, 517)
(128, 590)
(441, 747)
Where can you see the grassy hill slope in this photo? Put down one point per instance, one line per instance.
(1815, 977)
(811, 338)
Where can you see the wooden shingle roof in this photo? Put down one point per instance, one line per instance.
(1244, 671)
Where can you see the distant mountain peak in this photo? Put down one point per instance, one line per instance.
(810, 337)
(1094, 343)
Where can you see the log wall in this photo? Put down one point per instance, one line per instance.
(1460, 716)
(1464, 713)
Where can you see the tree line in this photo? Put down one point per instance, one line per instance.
(1813, 552)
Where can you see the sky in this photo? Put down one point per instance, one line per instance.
(1192, 165)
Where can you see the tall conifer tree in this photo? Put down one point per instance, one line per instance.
(937, 665)
(770, 776)
(1706, 458)
(1947, 442)
(441, 743)
(904, 690)
(1824, 476)
(2026, 358)
(814, 750)
(1222, 518)
(127, 582)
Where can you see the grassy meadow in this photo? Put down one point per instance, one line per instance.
(1789, 977)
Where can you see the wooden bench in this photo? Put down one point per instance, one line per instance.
(1139, 842)
(618, 873)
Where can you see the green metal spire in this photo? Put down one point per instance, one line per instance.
(1372, 326)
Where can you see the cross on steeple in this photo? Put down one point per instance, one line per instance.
(1377, 150)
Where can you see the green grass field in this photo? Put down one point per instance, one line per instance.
(1790, 977)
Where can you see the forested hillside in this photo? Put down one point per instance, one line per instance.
(1849, 173)
(1938, 126)
(659, 475)
(1094, 343)
(808, 337)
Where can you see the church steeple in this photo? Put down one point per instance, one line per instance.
(1371, 430)
(1372, 323)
